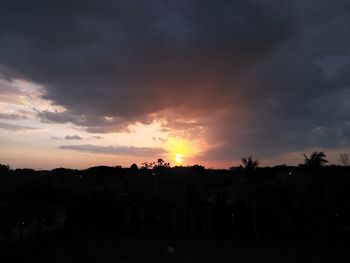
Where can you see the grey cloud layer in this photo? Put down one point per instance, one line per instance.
(13, 116)
(72, 137)
(260, 76)
(14, 127)
(116, 150)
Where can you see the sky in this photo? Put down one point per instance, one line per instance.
(85, 83)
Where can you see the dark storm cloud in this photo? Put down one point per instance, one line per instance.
(60, 117)
(116, 150)
(258, 76)
(93, 122)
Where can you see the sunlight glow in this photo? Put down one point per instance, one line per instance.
(178, 149)
(178, 158)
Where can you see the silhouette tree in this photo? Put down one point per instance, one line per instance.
(249, 166)
(160, 163)
(146, 166)
(134, 167)
(319, 187)
(4, 169)
(316, 160)
(344, 159)
(158, 167)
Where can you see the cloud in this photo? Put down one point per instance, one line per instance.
(59, 117)
(116, 150)
(97, 137)
(13, 127)
(56, 138)
(72, 137)
(129, 66)
(93, 123)
(162, 140)
(12, 116)
(248, 76)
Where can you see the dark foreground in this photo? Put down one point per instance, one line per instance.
(110, 214)
(88, 248)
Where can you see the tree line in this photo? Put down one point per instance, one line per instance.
(309, 201)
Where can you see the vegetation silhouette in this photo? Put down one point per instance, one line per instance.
(249, 166)
(249, 202)
(344, 159)
(316, 160)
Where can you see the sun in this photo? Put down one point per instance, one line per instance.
(178, 158)
(178, 149)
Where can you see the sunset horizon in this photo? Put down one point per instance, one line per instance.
(115, 83)
(174, 131)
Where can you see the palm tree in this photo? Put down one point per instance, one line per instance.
(249, 166)
(316, 160)
(319, 184)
